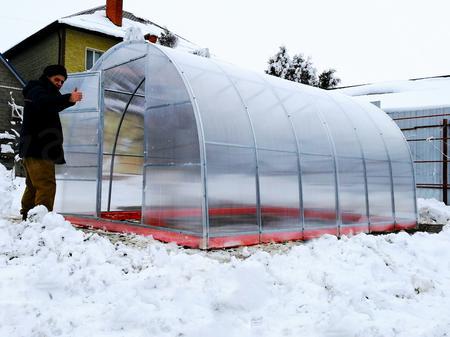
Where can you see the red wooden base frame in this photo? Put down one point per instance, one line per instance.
(120, 222)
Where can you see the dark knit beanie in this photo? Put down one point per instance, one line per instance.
(55, 69)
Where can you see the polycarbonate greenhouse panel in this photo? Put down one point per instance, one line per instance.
(341, 129)
(310, 129)
(269, 119)
(404, 200)
(173, 198)
(221, 109)
(122, 53)
(403, 192)
(173, 191)
(352, 193)
(170, 125)
(319, 192)
(126, 78)
(279, 191)
(123, 146)
(231, 188)
(379, 188)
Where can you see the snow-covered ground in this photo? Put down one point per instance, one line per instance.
(59, 281)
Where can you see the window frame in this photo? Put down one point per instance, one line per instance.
(94, 51)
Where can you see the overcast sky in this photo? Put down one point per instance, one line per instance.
(365, 41)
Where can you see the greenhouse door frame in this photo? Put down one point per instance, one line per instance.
(83, 146)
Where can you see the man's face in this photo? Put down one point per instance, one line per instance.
(57, 80)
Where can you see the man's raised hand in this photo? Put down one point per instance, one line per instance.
(76, 96)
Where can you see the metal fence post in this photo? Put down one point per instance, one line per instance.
(444, 160)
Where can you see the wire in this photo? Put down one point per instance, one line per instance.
(430, 140)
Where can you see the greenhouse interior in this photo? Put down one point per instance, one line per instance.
(200, 152)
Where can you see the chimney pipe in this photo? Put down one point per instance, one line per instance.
(114, 9)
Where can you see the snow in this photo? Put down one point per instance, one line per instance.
(404, 95)
(98, 22)
(56, 280)
(133, 34)
(6, 148)
(433, 211)
(7, 135)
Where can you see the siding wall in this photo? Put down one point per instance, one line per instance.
(423, 129)
(31, 61)
(76, 44)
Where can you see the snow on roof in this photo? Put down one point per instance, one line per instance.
(98, 22)
(419, 94)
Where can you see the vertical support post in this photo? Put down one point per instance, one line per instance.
(444, 160)
(101, 123)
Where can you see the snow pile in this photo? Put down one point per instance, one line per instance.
(59, 281)
(56, 280)
(133, 34)
(6, 148)
(432, 211)
(7, 187)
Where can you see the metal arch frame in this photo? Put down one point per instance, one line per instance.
(98, 65)
(412, 166)
(335, 167)
(363, 157)
(297, 146)
(388, 156)
(414, 176)
(202, 145)
(116, 138)
(252, 128)
(101, 124)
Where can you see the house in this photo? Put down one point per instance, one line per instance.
(78, 40)
(421, 109)
(11, 84)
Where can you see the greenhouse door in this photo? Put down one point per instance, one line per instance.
(122, 150)
(78, 190)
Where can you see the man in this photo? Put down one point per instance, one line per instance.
(41, 137)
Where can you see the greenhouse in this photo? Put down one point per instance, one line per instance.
(200, 152)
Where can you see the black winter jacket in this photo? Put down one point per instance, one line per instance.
(41, 134)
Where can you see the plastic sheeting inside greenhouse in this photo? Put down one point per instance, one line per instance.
(203, 153)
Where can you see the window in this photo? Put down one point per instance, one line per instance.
(91, 57)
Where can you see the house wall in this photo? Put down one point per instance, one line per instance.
(76, 44)
(8, 84)
(31, 61)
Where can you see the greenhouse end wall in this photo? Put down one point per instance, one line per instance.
(233, 157)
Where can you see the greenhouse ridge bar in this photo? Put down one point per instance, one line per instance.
(200, 152)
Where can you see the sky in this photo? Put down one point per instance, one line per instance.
(365, 41)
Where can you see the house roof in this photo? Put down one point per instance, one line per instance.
(125, 15)
(415, 94)
(13, 70)
(95, 20)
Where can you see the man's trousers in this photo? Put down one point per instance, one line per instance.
(40, 184)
